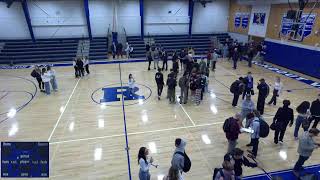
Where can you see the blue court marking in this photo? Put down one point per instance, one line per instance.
(130, 104)
(32, 95)
(125, 126)
(21, 106)
(286, 174)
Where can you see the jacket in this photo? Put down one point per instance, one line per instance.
(255, 126)
(315, 108)
(159, 78)
(177, 161)
(306, 145)
(249, 82)
(234, 132)
(238, 165)
(282, 118)
(263, 90)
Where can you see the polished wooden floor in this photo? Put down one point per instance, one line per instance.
(87, 139)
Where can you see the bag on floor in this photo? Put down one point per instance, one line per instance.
(216, 171)
(264, 128)
(187, 162)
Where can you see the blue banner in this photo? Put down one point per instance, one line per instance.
(245, 20)
(304, 29)
(237, 20)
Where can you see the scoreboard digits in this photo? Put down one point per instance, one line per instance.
(24, 159)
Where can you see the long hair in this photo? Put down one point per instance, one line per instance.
(130, 76)
(173, 174)
(142, 155)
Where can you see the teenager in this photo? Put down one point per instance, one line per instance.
(53, 80)
(236, 89)
(144, 164)
(235, 58)
(160, 82)
(225, 51)
(250, 56)
(209, 58)
(173, 174)
(315, 111)
(248, 81)
(113, 50)
(119, 48)
(302, 118)
(36, 73)
(262, 95)
(247, 107)
(198, 90)
(239, 161)
(76, 69)
(215, 57)
(178, 159)
(80, 68)
(45, 76)
(86, 64)
(255, 126)
(172, 83)
(276, 91)
(149, 58)
(202, 66)
(132, 85)
(283, 117)
(233, 131)
(164, 60)
(305, 148)
(184, 87)
(156, 58)
(227, 171)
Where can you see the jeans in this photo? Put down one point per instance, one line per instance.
(235, 99)
(234, 64)
(260, 104)
(40, 83)
(171, 95)
(299, 121)
(231, 145)
(255, 144)
(47, 87)
(160, 88)
(144, 175)
(276, 135)
(53, 82)
(165, 63)
(298, 166)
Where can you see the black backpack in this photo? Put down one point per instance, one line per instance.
(187, 161)
(234, 86)
(171, 83)
(215, 172)
(264, 128)
(227, 125)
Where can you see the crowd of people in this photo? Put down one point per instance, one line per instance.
(194, 78)
(45, 76)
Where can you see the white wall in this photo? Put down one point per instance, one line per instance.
(55, 19)
(255, 29)
(157, 20)
(239, 37)
(13, 24)
(213, 18)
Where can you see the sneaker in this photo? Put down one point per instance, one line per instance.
(275, 142)
(281, 142)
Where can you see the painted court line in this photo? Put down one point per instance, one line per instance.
(136, 133)
(64, 109)
(194, 124)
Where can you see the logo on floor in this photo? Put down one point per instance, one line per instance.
(111, 95)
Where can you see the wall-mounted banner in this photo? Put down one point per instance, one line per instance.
(245, 20)
(305, 26)
(259, 18)
(237, 20)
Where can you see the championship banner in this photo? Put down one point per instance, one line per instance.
(237, 20)
(259, 18)
(308, 19)
(245, 20)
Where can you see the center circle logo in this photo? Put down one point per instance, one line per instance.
(111, 94)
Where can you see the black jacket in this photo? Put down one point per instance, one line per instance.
(263, 90)
(315, 108)
(159, 78)
(238, 165)
(282, 118)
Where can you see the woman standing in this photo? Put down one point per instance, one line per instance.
(45, 76)
(86, 64)
(76, 70)
(144, 173)
(132, 86)
(36, 73)
(276, 91)
(281, 120)
(53, 80)
(302, 119)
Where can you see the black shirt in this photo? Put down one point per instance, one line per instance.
(159, 78)
(238, 165)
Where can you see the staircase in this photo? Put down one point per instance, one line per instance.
(138, 44)
(98, 49)
(83, 48)
(1, 46)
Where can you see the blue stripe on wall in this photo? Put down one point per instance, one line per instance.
(302, 60)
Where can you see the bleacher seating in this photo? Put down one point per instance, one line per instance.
(99, 49)
(41, 51)
(199, 42)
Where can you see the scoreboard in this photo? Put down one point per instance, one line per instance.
(24, 159)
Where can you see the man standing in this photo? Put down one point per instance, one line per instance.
(178, 158)
(184, 87)
(164, 60)
(255, 126)
(235, 58)
(248, 81)
(250, 56)
(160, 83)
(263, 93)
(236, 89)
(239, 161)
(232, 131)
(305, 149)
(172, 83)
(315, 111)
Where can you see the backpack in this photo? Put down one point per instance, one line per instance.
(216, 171)
(234, 86)
(34, 73)
(171, 83)
(264, 128)
(187, 162)
(227, 125)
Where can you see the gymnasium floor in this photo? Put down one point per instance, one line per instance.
(87, 138)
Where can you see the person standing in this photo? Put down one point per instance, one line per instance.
(255, 126)
(262, 95)
(164, 60)
(147, 47)
(248, 81)
(173, 174)
(276, 91)
(235, 58)
(209, 58)
(302, 118)
(144, 173)
(315, 111)
(232, 131)
(175, 66)
(239, 161)
(202, 66)
(119, 50)
(184, 87)
(305, 148)
(215, 57)
(156, 58)
(149, 58)
(53, 80)
(172, 83)
(247, 107)
(283, 117)
(225, 51)
(80, 67)
(86, 64)
(236, 89)
(132, 85)
(76, 69)
(128, 50)
(198, 90)
(160, 82)
(113, 50)
(178, 158)
(250, 56)
(36, 73)
(45, 76)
